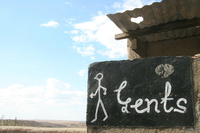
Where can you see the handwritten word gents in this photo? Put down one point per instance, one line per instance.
(149, 102)
(125, 103)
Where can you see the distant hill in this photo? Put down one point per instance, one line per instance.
(45, 123)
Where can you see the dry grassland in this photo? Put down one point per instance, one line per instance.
(45, 126)
(19, 129)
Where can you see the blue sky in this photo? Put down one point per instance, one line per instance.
(46, 47)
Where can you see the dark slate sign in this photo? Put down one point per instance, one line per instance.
(150, 92)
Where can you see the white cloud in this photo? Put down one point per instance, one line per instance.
(117, 5)
(82, 72)
(66, 32)
(68, 3)
(85, 51)
(130, 4)
(41, 101)
(51, 23)
(93, 58)
(74, 32)
(101, 29)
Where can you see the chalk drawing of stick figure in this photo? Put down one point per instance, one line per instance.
(99, 77)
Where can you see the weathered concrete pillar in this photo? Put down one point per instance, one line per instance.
(130, 53)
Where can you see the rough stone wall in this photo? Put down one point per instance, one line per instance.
(195, 129)
(174, 47)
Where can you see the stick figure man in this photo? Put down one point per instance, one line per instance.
(99, 77)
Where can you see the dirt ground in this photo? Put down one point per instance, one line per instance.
(21, 129)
